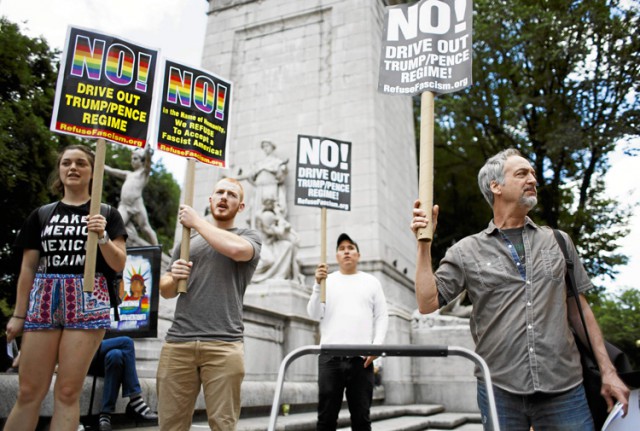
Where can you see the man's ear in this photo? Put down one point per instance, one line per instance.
(241, 207)
(495, 188)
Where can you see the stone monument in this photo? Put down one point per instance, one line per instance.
(311, 68)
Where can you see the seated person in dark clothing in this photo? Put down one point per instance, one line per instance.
(116, 361)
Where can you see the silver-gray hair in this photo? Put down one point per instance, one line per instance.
(493, 170)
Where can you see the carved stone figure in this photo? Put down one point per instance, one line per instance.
(131, 205)
(278, 259)
(279, 246)
(267, 176)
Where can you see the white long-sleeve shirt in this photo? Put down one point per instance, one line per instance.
(355, 311)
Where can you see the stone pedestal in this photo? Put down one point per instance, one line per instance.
(283, 296)
(269, 337)
(397, 371)
(448, 381)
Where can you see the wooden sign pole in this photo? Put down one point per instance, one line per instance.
(186, 232)
(425, 181)
(323, 251)
(94, 208)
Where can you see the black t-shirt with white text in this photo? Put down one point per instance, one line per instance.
(61, 242)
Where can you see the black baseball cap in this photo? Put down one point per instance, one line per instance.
(345, 237)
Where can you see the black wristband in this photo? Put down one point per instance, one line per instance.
(19, 317)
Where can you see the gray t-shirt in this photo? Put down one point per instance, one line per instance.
(212, 307)
(519, 322)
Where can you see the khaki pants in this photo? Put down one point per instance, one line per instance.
(216, 365)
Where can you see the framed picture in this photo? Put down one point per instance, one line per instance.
(139, 290)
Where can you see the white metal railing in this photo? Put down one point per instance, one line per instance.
(383, 350)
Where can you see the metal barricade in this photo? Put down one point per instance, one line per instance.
(383, 350)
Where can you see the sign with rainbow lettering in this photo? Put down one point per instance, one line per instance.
(194, 114)
(105, 88)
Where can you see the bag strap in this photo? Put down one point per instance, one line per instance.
(105, 211)
(114, 299)
(570, 281)
(45, 212)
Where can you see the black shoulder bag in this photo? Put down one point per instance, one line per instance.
(590, 372)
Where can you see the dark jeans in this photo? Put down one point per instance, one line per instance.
(567, 411)
(116, 360)
(335, 375)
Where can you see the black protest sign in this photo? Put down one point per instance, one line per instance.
(426, 46)
(323, 173)
(105, 88)
(194, 114)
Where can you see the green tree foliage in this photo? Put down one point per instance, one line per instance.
(27, 148)
(161, 195)
(557, 80)
(619, 319)
(28, 152)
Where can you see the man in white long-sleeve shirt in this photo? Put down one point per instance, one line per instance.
(355, 312)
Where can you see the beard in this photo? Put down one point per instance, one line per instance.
(528, 201)
(226, 216)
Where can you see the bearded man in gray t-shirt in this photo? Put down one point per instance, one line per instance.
(204, 346)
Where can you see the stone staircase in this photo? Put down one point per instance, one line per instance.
(303, 416)
(384, 418)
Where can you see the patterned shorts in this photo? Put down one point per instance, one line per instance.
(57, 301)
